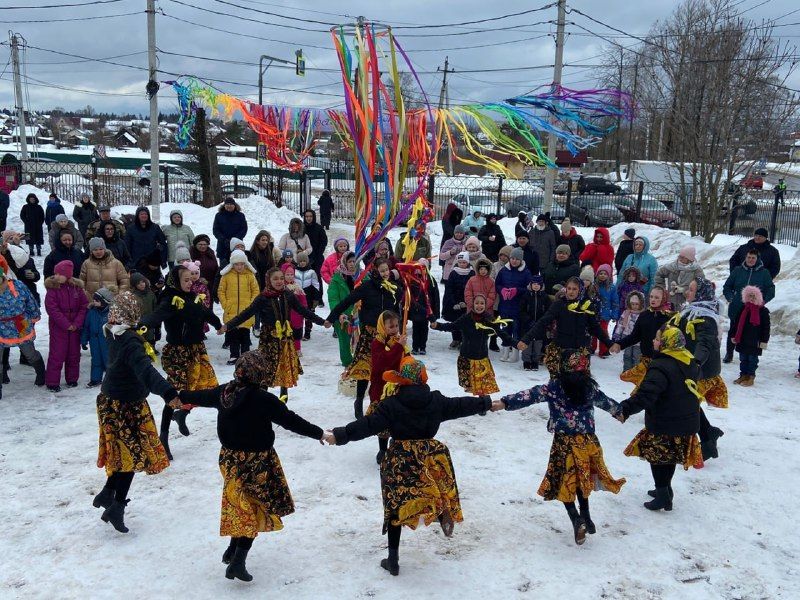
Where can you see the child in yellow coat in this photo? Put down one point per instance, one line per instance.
(238, 288)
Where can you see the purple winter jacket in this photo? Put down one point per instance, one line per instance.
(66, 305)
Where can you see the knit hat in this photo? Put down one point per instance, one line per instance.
(302, 256)
(473, 240)
(587, 274)
(288, 254)
(194, 265)
(605, 269)
(137, 277)
(411, 372)
(563, 249)
(96, 243)
(541, 217)
(517, 254)
(630, 232)
(104, 295)
(62, 218)
(125, 310)
(335, 243)
(762, 231)
(65, 268)
(538, 279)
(462, 256)
(506, 250)
(459, 229)
(182, 252)
(235, 242)
(174, 212)
(286, 266)
(566, 226)
(523, 234)
(238, 256)
(104, 208)
(230, 200)
(687, 252)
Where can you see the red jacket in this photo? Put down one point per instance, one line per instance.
(600, 251)
(383, 359)
(483, 286)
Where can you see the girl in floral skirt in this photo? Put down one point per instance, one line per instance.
(576, 467)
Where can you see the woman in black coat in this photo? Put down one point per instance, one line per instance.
(326, 207)
(85, 213)
(110, 235)
(32, 215)
(318, 238)
(229, 223)
(491, 238)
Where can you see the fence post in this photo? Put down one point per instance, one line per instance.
(235, 180)
(279, 191)
(327, 179)
(166, 183)
(303, 176)
(432, 189)
(639, 201)
(773, 224)
(499, 194)
(95, 189)
(568, 204)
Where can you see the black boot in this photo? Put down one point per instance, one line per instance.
(38, 366)
(227, 556)
(578, 524)
(391, 564)
(709, 447)
(663, 500)
(163, 435)
(6, 365)
(358, 407)
(104, 498)
(652, 493)
(115, 514)
(237, 569)
(179, 416)
(587, 519)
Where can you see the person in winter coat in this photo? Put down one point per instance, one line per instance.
(64, 249)
(19, 313)
(644, 261)
(523, 224)
(599, 251)
(140, 286)
(114, 244)
(412, 491)
(32, 216)
(150, 267)
(511, 283)
(631, 281)
(332, 262)
(532, 307)
(21, 263)
(543, 241)
(668, 395)
(143, 236)
(625, 248)
(675, 277)
(229, 223)
(54, 208)
(491, 238)
(530, 256)
(569, 235)
(425, 307)
(609, 302)
(340, 286)
(105, 217)
(296, 319)
(262, 255)
(84, 213)
(750, 272)
(318, 238)
(502, 260)
(634, 305)
(751, 336)
(62, 223)
(308, 281)
(93, 335)
(454, 304)
(201, 251)
(237, 290)
(474, 222)
(452, 217)
(422, 250)
(326, 208)
(450, 249)
(481, 284)
(66, 305)
(176, 232)
(770, 257)
(296, 239)
(102, 270)
(562, 268)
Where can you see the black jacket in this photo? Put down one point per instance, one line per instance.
(454, 289)
(32, 215)
(142, 241)
(247, 424)
(84, 215)
(670, 407)
(413, 413)
(557, 273)
(262, 261)
(491, 248)
(575, 242)
(531, 258)
(325, 204)
(228, 225)
(573, 329)
(130, 375)
(21, 273)
(374, 300)
(769, 255)
(418, 311)
(183, 315)
(474, 339)
(60, 253)
(704, 344)
(532, 307)
(752, 336)
(624, 251)
(644, 331)
(118, 248)
(319, 241)
(273, 309)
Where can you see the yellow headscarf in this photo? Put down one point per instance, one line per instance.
(674, 344)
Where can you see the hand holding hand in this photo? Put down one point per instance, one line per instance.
(84, 346)
(327, 324)
(763, 345)
(620, 417)
(433, 325)
(614, 349)
(522, 346)
(222, 330)
(498, 405)
(328, 438)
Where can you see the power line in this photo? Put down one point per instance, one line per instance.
(93, 18)
(527, 39)
(488, 20)
(39, 83)
(272, 14)
(93, 3)
(71, 62)
(241, 18)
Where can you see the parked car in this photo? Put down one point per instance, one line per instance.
(240, 190)
(176, 174)
(597, 185)
(472, 200)
(653, 212)
(533, 205)
(752, 181)
(594, 211)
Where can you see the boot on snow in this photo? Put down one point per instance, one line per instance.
(391, 564)
(748, 381)
(709, 447)
(652, 493)
(179, 416)
(578, 524)
(38, 366)
(237, 569)
(104, 498)
(227, 556)
(663, 500)
(587, 518)
(115, 514)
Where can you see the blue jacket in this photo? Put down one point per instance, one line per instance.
(511, 278)
(609, 301)
(228, 225)
(645, 262)
(53, 209)
(92, 332)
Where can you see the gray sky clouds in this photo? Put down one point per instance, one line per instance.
(521, 41)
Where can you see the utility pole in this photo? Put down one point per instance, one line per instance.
(444, 102)
(152, 91)
(18, 97)
(618, 160)
(550, 174)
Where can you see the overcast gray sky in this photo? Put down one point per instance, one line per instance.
(524, 46)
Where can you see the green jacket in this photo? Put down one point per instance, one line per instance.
(338, 290)
(423, 249)
(175, 234)
(741, 277)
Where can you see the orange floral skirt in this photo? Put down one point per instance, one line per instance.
(283, 368)
(476, 376)
(636, 374)
(715, 391)
(361, 367)
(661, 449)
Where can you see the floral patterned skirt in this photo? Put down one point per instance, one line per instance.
(714, 390)
(283, 364)
(418, 483)
(361, 367)
(255, 494)
(576, 463)
(661, 449)
(552, 358)
(476, 376)
(188, 368)
(128, 437)
(637, 373)
(371, 409)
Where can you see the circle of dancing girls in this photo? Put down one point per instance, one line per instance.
(576, 467)
(255, 495)
(668, 394)
(276, 342)
(376, 294)
(129, 441)
(476, 326)
(576, 322)
(418, 482)
(644, 332)
(698, 320)
(184, 357)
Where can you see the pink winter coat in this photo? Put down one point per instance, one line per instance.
(330, 265)
(483, 286)
(296, 320)
(66, 305)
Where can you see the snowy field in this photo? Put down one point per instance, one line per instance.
(729, 535)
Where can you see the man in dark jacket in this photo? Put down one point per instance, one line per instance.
(326, 207)
(770, 257)
(491, 238)
(53, 209)
(562, 268)
(85, 213)
(569, 235)
(104, 212)
(531, 258)
(625, 248)
(64, 249)
(229, 223)
(318, 238)
(143, 236)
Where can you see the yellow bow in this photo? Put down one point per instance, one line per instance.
(284, 398)
(200, 298)
(388, 390)
(690, 323)
(282, 330)
(497, 321)
(579, 308)
(148, 348)
(691, 385)
(388, 285)
(178, 302)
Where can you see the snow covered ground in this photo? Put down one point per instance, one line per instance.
(729, 536)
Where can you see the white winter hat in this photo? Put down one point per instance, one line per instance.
(236, 242)
(238, 256)
(462, 256)
(19, 255)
